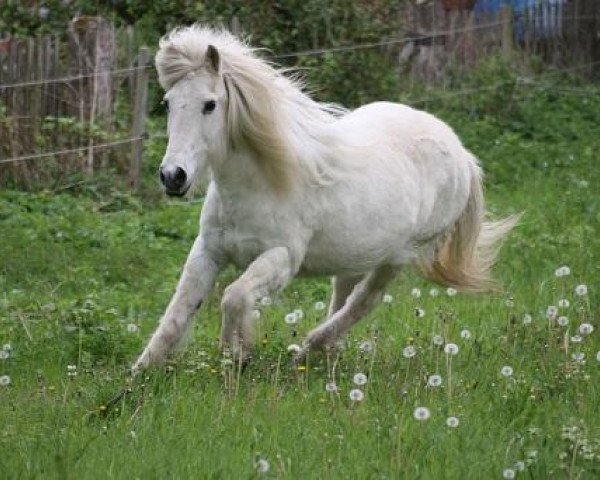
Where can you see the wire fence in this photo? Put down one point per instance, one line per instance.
(136, 68)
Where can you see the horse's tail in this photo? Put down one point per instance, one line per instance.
(467, 252)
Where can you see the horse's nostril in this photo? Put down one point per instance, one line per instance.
(180, 176)
(161, 175)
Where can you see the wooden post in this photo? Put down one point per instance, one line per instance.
(506, 17)
(139, 117)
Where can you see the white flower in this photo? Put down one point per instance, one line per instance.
(527, 319)
(356, 395)
(578, 356)
(262, 466)
(434, 380)
(451, 291)
(365, 346)
(293, 348)
(421, 413)
(520, 466)
(387, 298)
(255, 315)
(433, 292)
(419, 312)
(4, 380)
(581, 290)
(551, 312)
(563, 271)
(266, 301)
(452, 422)
(132, 328)
(416, 292)
(451, 348)
(586, 328)
(437, 340)
(4, 354)
(563, 303)
(508, 473)
(563, 321)
(7, 347)
(409, 351)
(290, 318)
(576, 339)
(299, 314)
(359, 379)
(331, 387)
(71, 368)
(506, 371)
(465, 334)
(319, 305)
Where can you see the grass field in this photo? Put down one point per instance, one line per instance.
(84, 278)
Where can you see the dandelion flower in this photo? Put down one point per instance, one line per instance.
(506, 371)
(262, 465)
(299, 314)
(132, 328)
(465, 334)
(452, 422)
(266, 301)
(527, 319)
(563, 303)
(387, 298)
(365, 346)
(437, 340)
(563, 321)
(586, 328)
(409, 351)
(551, 312)
(331, 387)
(434, 380)
(416, 292)
(291, 318)
(508, 473)
(451, 291)
(451, 348)
(359, 379)
(319, 306)
(356, 395)
(421, 413)
(255, 315)
(293, 348)
(433, 292)
(4, 354)
(4, 380)
(581, 290)
(419, 312)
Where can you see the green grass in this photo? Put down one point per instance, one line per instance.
(77, 270)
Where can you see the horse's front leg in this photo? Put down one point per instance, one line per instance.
(269, 273)
(198, 277)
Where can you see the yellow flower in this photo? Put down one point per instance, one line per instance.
(301, 368)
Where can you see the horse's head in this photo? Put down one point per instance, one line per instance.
(197, 121)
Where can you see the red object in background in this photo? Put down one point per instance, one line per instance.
(458, 4)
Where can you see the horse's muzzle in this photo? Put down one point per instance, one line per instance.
(174, 180)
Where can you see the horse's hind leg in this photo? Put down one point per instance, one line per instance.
(270, 272)
(342, 287)
(365, 295)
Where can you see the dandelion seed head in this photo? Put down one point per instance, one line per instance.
(508, 473)
(331, 387)
(4, 354)
(387, 298)
(132, 328)
(578, 356)
(359, 379)
(434, 292)
(409, 351)
(7, 347)
(365, 346)
(576, 339)
(356, 395)
(319, 306)
(520, 466)
(527, 319)
(452, 422)
(465, 334)
(563, 303)
(451, 348)
(506, 371)
(298, 313)
(551, 312)
(255, 315)
(563, 321)
(290, 318)
(451, 292)
(419, 312)
(262, 465)
(4, 380)
(293, 348)
(416, 292)
(563, 271)
(434, 380)
(586, 328)
(266, 301)
(581, 290)
(422, 413)
(437, 340)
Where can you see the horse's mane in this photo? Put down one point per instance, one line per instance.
(268, 111)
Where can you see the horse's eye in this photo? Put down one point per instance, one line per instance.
(209, 106)
(165, 102)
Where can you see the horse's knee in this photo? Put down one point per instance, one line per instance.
(235, 300)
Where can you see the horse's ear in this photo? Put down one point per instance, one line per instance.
(212, 55)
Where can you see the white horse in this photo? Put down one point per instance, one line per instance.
(300, 187)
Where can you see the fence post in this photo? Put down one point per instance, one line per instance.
(506, 17)
(139, 117)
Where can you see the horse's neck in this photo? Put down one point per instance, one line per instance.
(238, 172)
